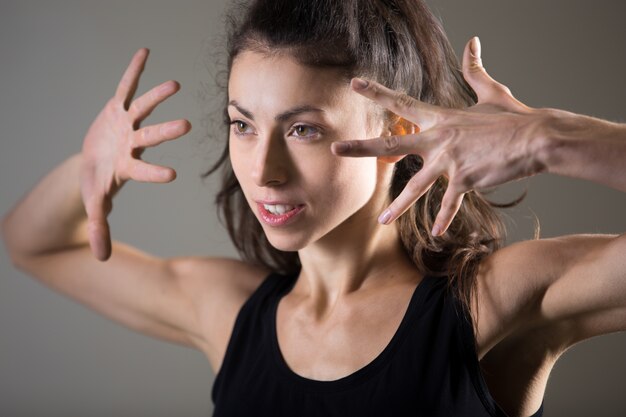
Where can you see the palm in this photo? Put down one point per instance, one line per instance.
(105, 146)
(113, 145)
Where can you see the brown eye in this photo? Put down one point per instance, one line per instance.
(240, 128)
(304, 131)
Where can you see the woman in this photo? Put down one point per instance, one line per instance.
(335, 317)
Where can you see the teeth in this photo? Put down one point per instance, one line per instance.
(278, 208)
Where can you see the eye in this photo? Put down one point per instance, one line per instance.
(304, 131)
(240, 127)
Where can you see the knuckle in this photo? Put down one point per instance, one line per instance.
(476, 65)
(403, 100)
(136, 171)
(463, 181)
(391, 143)
(449, 133)
(144, 135)
(447, 116)
(445, 157)
(354, 145)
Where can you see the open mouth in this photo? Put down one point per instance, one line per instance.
(279, 214)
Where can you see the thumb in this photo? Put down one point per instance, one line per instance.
(487, 89)
(99, 239)
(98, 231)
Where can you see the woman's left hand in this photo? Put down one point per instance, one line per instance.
(485, 145)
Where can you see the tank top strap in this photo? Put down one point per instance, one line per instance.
(274, 284)
(430, 365)
(249, 322)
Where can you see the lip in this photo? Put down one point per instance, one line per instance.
(274, 202)
(277, 220)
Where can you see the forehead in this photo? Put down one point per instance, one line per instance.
(267, 80)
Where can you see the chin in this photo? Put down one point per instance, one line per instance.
(287, 242)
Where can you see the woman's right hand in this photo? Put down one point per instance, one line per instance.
(113, 145)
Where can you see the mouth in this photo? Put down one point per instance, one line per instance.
(279, 214)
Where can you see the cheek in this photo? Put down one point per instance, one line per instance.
(239, 162)
(341, 182)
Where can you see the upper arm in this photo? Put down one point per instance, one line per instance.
(588, 295)
(572, 287)
(163, 298)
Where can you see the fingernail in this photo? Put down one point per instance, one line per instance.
(341, 146)
(475, 46)
(385, 217)
(359, 83)
(436, 230)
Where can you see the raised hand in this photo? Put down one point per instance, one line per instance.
(485, 145)
(113, 145)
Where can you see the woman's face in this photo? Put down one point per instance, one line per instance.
(284, 116)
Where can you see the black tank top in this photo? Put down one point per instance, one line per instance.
(429, 368)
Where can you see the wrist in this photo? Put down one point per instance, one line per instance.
(551, 138)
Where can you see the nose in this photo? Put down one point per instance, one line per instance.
(270, 162)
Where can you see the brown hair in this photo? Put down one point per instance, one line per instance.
(400, 44)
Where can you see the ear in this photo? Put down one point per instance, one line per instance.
(398, 126)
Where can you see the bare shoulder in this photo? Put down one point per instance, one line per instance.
(230, 277)
(513, 281)
(219, 287)
(533, 300)
(189, 300)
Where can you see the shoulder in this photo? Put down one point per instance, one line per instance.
(535, 299)
(513, 281)
(219, 288)
(219, 285)
(229, 277)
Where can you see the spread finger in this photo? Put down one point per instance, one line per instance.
(156, 134)
(130, 80)
(415, 188)
(422, 114)
(144, 105)
(144, 172)
(450, 205)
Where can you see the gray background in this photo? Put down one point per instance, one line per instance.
(60, 61)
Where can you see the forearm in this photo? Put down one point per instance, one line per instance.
(50, 217)
(584, 147)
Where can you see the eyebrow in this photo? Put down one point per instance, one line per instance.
(286, 115)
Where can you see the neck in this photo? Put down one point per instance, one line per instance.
(359, 255)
